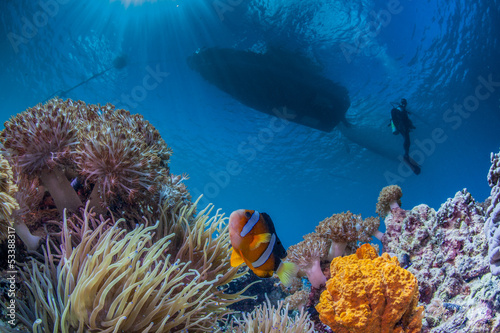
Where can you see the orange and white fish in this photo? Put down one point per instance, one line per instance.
(256, 244)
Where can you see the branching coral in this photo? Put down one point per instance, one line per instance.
(117, 281)
(370, 294)
(7, 202)
(492, 226)
(267, 319)
(345, 228)
(388, 199)
(308, 255)
(41, 142)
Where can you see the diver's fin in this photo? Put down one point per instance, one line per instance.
(286, 272)
(412, 164)
(236, 259)
(260, 239)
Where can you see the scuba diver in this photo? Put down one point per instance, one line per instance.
(401, 124)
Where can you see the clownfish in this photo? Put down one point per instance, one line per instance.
(256, 244)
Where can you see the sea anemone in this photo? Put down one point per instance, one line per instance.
(203, 241)
(388, 199)
(267, 318)
(115, 280)
(7, 202)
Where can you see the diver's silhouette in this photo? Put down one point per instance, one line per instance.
(402, 124)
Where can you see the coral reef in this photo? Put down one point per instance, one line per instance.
(492, 227)
(7, 201)
(368, 293)
(106, 267)
(448, 251)
(267, 319)
(388, 199)
(114, 279)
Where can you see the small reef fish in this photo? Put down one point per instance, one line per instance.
(256, 244)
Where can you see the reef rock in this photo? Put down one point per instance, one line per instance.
(492, 227)
(448, 254)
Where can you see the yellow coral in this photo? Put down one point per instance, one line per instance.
(370, 294)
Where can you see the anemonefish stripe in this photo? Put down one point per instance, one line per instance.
(250, 224)
(267, 253)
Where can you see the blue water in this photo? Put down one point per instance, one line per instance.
(433, 53)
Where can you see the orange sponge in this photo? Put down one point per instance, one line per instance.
(370, 294)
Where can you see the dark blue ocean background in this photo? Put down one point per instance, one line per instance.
(437, 54)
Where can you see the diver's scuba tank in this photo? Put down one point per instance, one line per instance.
(398, 107)
(393, 128)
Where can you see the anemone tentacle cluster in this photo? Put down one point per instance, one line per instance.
(8, 203)
(267, 318)
(118, 279)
